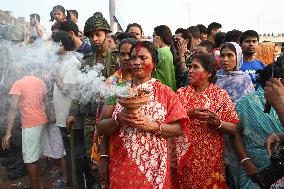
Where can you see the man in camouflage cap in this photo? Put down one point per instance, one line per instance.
(98, 31)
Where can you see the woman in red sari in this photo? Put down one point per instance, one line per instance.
(211, 113)
(140, 155)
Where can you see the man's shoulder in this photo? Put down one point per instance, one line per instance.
(259, 62)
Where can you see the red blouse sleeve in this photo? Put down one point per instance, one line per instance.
(175, 110)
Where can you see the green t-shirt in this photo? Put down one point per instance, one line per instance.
(165, 71)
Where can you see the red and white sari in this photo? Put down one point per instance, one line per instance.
(200, 152)
(140, 159)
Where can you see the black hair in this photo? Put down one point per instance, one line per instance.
(36, 16)
(125, 35)
(65, 40)
(164, 32)
(134, 25)
(230, 46)
(202, 28)
(57, 7)
(207, 44)
(68, 26)
(208, 62)
(150, 47)
(247, 34)
(194, 32)
(219, 39)
(184, 33)
(130, 41)
(56, 25)
(213, 26)
(276, 67)
(233, 36)
(74, 12)
(114, 38)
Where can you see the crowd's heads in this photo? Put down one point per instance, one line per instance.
(203, 32)
(112, 42)
(205, 47)
(275, 69)
(95, 23)
(182, 34)
(131, 41)
(34, 17)
(194, 32)
(57, 13)
(249, 41)
(72, 15)
(149, 46)
(69, 26)
(124, 48)
(164, 34)
(209, 64)
(124, 35)
(213, 28)
(233, 36)
(249, 34)
(219, 39)
(65, 40)
(135, 29)
(233, 63)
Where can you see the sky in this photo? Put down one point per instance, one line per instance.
(262, 16)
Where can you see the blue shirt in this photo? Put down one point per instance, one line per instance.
(250, 68)
(85, 49)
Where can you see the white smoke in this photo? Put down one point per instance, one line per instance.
(91, 87)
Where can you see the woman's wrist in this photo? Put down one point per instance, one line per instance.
(153, 127)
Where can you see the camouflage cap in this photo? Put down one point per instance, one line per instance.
(12, 33)
(96, 22)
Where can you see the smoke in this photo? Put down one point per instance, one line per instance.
(90, 86)
(39, 58)
(18, 60)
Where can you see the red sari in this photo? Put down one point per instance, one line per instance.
(200, 152)
(140, 159)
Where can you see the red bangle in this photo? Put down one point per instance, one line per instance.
(160, 129)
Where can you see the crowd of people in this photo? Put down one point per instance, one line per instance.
(214, 118)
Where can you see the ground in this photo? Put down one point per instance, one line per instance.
(24, 181)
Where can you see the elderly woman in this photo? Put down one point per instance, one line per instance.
(211, 113)
(140, 156)
(255, 126)
(237, 84)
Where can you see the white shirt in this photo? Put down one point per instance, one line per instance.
(66, 70)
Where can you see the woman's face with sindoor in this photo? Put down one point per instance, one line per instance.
(142, 62)
(197, 74)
